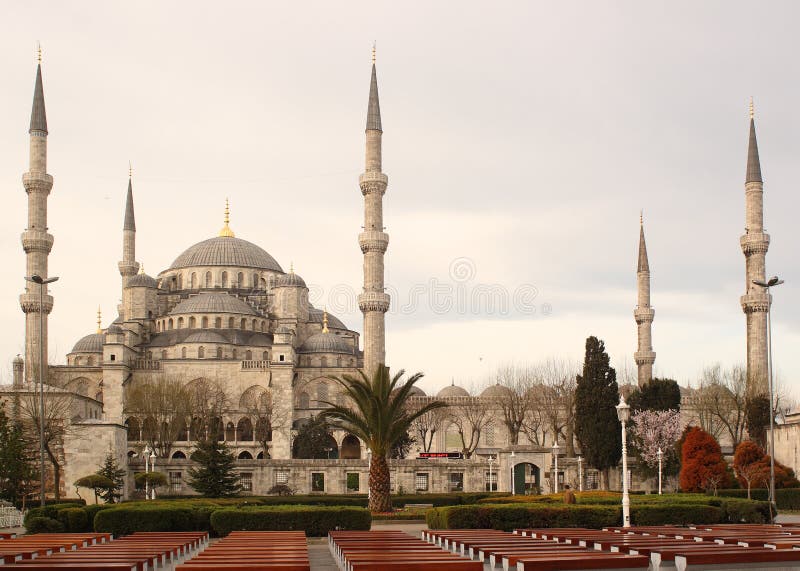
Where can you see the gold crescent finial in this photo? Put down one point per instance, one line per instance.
(324, 320)
(39, 52)
(641, 217)
(374, 49)
(752, 108)
(141, 269)
(291, 267)
(99, 320)
(226, 231)
(130, 170)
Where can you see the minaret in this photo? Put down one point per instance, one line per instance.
(755, 243)
(373, 301)
(644, 314)
(36, 242)
(128, 266)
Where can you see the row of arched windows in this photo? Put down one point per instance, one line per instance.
(218, 353)
(338, 361)
(242, 431)
(181, 455)
(79, 361)
(223, 279)
(219, 322)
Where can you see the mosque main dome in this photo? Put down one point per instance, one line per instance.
(226, 251)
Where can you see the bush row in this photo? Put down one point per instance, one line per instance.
(315, 521)
(509, 517)
(785, 498)
(601, 498)
(358, 500)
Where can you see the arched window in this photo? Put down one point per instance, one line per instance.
(164, 354)
(180, 281)
(77, 361)
(149, 355)
(179, 455)
(245, 455)
(158, 326)
(263, 326)
(323, 362)
(134, 430)
(170, 323)
(230, 432)
(183, 352)
(243, 324)
(149, 428)
(192, 322)
(196, 431)
(205, 322)
(224, 279)
(255, 325)
(219, 352)
(90, 361)
(351, 448)
(244, 430)
(248, 355)
(218, 323)
(193, 281)
(201, 352)
(304, 400)
(208, 279)
(235, 353)
(231, 323)
(338, 361)
(180, 323)
(263, 283)
(260, 455)
(255, 281)
(322, 394)
(216, 429)
(265, 355)
(183, 433)
(263, 430)
(240, 280)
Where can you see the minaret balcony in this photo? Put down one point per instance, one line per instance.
(754, 243)
(373, 301)
(644, 314)
(37, 241)
(756, 301)
(29, 302)
(373, 182)
(128, 268)
(37, 182)
(644, 357)
(373, 241)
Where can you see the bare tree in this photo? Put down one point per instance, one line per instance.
(514, 397)
(426, 426)
(163, 406)
(470, 415)
(208, 399)
(722, 401)
(265, 416)
(555, 400)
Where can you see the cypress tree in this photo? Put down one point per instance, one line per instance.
(658, 394)
(215, 477)
(17, 462)
(111, 470)
(596, 425)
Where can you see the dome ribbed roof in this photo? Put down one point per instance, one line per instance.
(213, 303)
(114, 329)
(290, 280)
(452, 391)
(495, 391)
(92, 343)
(141, 280)
(315, 316)
(226, 251)
(325, 343)
(205, 336)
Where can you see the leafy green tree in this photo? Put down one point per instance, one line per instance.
(658, 394)
(402, 446)
(596, 395)
(144, 480)
(95, 482)
(111, 470)
(17, 462)
(215, 477)
(313, 438)
(380, 416)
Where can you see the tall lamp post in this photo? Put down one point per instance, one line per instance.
(624, 415)
(37, 279)
(580, 473)
(773, 281)
(153, 468)
(513, 487)
(491, 461)
(660, 459)
(146, 455)
(555, 467)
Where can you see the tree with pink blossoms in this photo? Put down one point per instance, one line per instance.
(652, 430)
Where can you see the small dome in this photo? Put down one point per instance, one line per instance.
(92, 343)
(141, 280)
(315, 316)
(289, 280)
(205, 336)
(226, 251)
(416, 392)
(495, 391)
(452, 391)
(213, 303)
(114, 329)
(325, 343)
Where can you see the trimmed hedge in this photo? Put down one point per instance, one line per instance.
(357, 500)
(316, 521)
(785, 498)
(75, 520)
(43, 525)
(124, 520)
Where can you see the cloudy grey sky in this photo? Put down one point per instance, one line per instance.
(521, 139)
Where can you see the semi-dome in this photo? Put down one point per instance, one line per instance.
(452, 391)
(114, 329)
(325, 343)
(141, 280)
(495, 391)
(213, 303)
(226, 251)
(316, 315)
(92, 343)
(289, 280)
(205, 336)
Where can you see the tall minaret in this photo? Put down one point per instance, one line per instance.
(644, 314)
(128, 266)
(36, 242)
(755, 243)
(373, 301)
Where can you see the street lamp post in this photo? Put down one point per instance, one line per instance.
(369, 474)
(491, 461)
(513, 487)
(37, 279)
(153, 468)
(555, 467)
(773, 281)
(624, 415)
(660, 459)
(580, 473)
(146, 455)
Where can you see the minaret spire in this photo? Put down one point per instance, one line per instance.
(373, 301)
(36, 242)
(226, 231)
(755, 243)
(128, 266)
(644, 314)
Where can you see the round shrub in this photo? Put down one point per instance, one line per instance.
(74, 520)
(43, 525)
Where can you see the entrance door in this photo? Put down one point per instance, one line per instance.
(526, 479)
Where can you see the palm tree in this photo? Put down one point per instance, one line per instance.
(379, 416)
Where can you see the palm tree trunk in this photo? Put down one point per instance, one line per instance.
(379, 498)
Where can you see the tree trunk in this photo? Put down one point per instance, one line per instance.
(569, 435)
(56, 473)
(379, 482)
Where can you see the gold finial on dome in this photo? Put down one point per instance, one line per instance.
(141, 269)
(324, 320)
(130, 170)
(374, 48)
(99, 320)
(291, 267)
(226, 231)
(641, 217)
(39, 52)
(752, 108)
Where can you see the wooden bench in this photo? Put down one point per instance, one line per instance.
(607, 561)
(253, 551)
(749, 559)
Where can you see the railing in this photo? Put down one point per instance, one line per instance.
(253, 365)
(147, 364)
(10, 517)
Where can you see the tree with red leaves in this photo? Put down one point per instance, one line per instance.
(752, 468)
(702, 465)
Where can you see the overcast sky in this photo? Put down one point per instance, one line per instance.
(521, 140)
